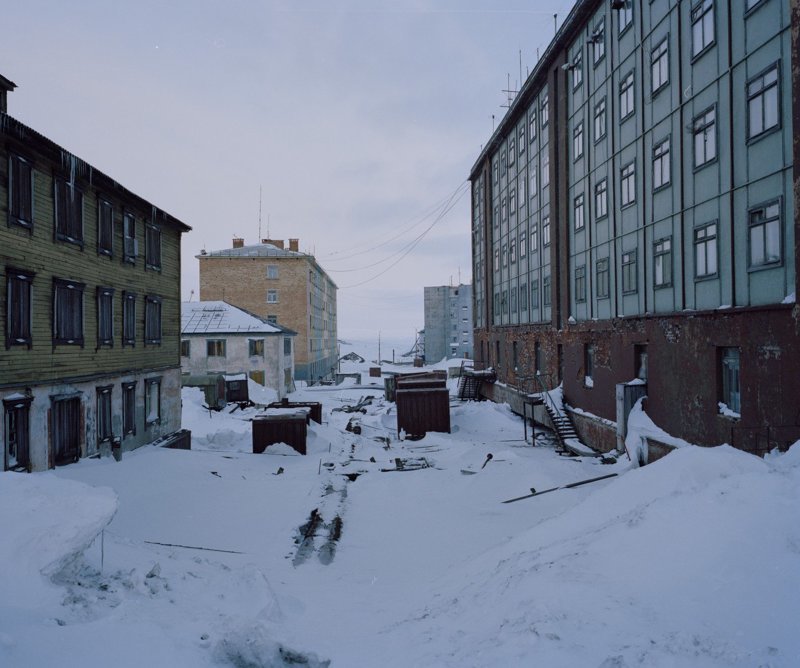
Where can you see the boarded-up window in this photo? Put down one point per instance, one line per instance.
(128, 408)
(69, 212)
(18, 307)
(105, 316)
(130, 247)
(105, 227)
(104, 414)
(20, 192)
(67, 312)
(153, 247)
(152, 319)
(128, 318)
(215, 347)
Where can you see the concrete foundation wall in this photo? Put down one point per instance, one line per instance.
(41, 450)
(684, 379)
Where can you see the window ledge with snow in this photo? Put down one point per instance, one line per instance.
(727, 412)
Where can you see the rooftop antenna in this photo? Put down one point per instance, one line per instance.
(555, 23)
(520, 67)
(259, 214)
(510, 93)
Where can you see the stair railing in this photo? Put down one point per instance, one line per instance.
(550, 403)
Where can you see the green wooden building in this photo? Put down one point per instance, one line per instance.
(89, 310)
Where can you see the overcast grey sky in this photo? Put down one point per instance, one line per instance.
(358, 119)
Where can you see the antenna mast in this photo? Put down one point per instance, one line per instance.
(259, 214)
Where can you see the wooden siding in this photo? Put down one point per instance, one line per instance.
(40, 252)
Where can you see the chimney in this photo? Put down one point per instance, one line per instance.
(238, 242)
(278, 243)
(6, 86)
(293, 245)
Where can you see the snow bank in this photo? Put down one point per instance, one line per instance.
(641, 427)
(46, 522)
(597, 585)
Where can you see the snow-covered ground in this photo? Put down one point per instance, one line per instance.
(198, 558)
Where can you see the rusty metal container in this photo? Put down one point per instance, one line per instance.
(422, 410)
(374, 372)
(289, 428)
(236, 390)
(315, 407)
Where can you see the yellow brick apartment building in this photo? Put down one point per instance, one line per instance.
(284, 286)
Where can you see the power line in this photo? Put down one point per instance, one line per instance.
(431, 211)
(454, 200)
(444, 209)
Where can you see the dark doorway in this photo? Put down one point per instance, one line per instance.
(66, 430)
(18, 435)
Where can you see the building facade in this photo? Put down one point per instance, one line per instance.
(634, 216)
(448, 322)
(90, 308)
(219, 338)
(281, 285)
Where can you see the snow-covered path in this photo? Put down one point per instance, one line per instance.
(691, 561)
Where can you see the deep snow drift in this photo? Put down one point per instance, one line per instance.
(212, 558)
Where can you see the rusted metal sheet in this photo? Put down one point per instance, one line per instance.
(289, 428)
(422, 410)
(315, 407)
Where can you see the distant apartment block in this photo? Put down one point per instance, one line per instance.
(448, 322)
(219, 338)
(634, 217)
(90, 307)
(283, 286)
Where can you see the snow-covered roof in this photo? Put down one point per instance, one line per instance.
(218, 317)
(255, 250)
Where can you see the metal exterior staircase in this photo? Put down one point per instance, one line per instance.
(566, 436)
(470, 382)
(469, 386)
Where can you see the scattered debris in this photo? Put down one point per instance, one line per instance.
(409, 464)
(553, 489)
(192, 547)
(359, 407)
(488, 459)
(354, 425)
(216, 474)
(279, 471)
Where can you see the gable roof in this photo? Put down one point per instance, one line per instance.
(218, 317)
